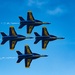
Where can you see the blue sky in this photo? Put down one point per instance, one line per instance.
(61, 53)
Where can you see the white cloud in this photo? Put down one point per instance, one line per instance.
(56, 11)
(36, 3)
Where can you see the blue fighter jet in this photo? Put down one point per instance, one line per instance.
(13, 38)
(45, 37)
(28, 56)
(31, 22)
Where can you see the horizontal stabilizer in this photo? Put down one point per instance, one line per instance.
(36, 34)
(36, 39)
(3, 42)
(21, 25)
(3, 34)
(21, 18)
(19, 53)
(19, 60)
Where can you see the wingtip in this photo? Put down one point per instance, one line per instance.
(29, 11)
(43, 48)
(26, 45)
(17, 62)
(44, 27)
(29, 33)
(19, 28)
(35, 42)
(26, 66)
(11, 26)
(17, 51)
(11, 49)
(34, 32)
(19, 16)
(2, 44)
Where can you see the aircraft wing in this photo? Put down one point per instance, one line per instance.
(29, 28)
(28, 62)
(45, 32)
(27, 50)
(12, 44)
(44, 43)
(30, 16)
(12, 31)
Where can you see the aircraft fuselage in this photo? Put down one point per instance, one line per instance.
(18, 37)
(34, 22)
(46, 38)
(31, 56)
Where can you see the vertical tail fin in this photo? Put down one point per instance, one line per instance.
(3, 40)
(21, 22)
(45, 32)
(19, 59)
(37, 39)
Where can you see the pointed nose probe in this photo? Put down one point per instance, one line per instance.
(44, 55)
(46, 23)
(29, 37)
(60, 38)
